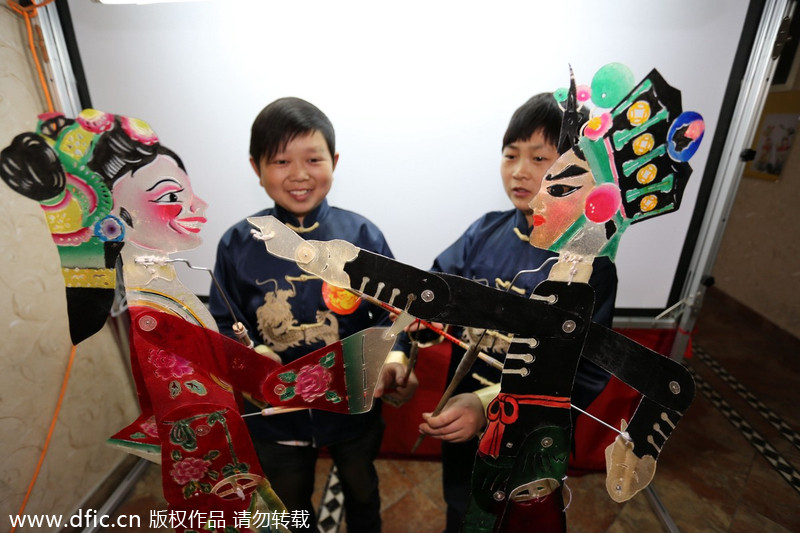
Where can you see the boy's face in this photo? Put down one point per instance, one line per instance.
(299, 177)
(523, 166)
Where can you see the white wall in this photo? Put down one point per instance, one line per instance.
(419, 92)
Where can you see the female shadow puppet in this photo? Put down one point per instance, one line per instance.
(621, 167)
(111, 191)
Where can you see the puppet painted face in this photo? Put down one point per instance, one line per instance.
(159, 206)
(561, 199)
(573, 213)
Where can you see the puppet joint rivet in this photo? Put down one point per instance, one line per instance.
(147, 323)
(304, 254)
(499, 496)
(568, 326)
(674, 387)
(547, 442)
(427, 296)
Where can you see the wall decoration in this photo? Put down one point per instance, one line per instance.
(775, 135)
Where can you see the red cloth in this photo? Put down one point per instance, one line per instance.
(208, 463)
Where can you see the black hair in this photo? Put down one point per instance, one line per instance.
(31, 168)
(282, 121)
(116, 154)
(539, 113)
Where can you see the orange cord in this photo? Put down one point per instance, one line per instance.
(28, 13)
(49, 434)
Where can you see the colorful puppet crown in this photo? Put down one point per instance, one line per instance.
(646, 148)
(635, 141)
(74, 193)
(642, 145)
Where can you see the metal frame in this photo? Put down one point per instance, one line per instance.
(661, 512)
(59, 65)
(749, 104)
(116, 498)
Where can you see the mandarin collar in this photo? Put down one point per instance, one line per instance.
(522, 223)
(318, 214)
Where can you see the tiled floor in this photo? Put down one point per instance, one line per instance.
(710, 478)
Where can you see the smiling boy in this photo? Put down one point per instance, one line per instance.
(292, 151)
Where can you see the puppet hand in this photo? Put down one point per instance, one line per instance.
(325, 259)
(266, 351)
(461, 419)
(398, 387)
(626, 474)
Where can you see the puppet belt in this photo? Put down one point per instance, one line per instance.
(504, 409)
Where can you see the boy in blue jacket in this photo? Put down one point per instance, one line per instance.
(292, 151)
(493, 250)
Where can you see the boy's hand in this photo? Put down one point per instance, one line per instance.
(392, 386)
(461, 419)
(266, 351)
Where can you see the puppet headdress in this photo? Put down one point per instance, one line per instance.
(58, 165)
(642, 144)
(636, 141)
(645, 147)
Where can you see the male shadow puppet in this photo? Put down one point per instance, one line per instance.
(623, 166)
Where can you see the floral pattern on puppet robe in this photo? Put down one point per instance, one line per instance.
(208, 460)
(185, 374)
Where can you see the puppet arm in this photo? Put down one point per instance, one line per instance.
(667, 388)
(428, 295)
